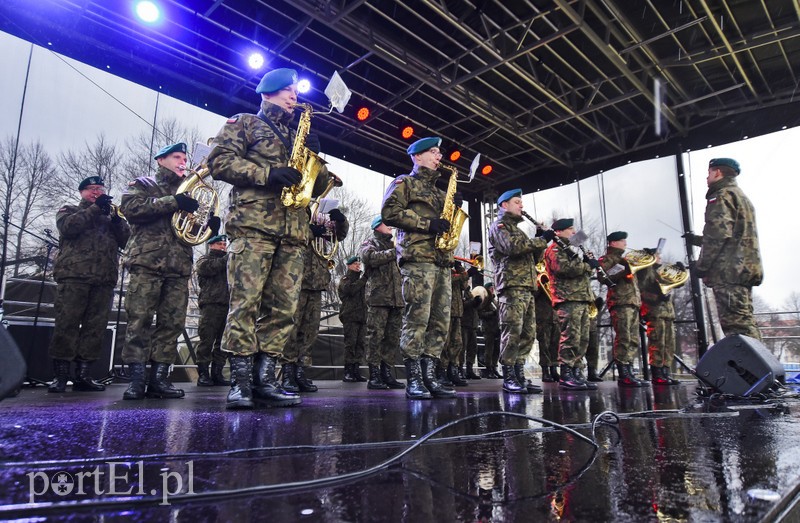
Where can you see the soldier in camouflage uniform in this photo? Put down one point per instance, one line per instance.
(571, 293)
(160, 267)
(384, 301)
(658, 312)
(414, 205)
(469, 324)
(212, 275)
(730, 260)
(547, 332)
(624, 302)
(490, 322)
(593, 350)
(316, 278)
(514, 257)
(267, 240)
(449, 361)
(353, 315)
(86, 270)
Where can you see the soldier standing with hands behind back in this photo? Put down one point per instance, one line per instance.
(213, 302)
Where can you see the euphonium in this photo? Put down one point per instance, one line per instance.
(304, 160)
(671, 276)
(639, 259)
(325, 247)
(191, 228)
(448, 241)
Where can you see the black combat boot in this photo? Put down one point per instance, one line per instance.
(305, 384)
(471, 373)
(626, 377)
(203, 379)
(554, 373)
(83, 381)
(375, 380)
(267, 391)
(577, 374)
(388, 379)
(241, 394)
(593, 377)
(436, 388)
(481, 357)
(216, 374)
(455, 377)
(349, 374)
(519, 370)
(61, 371)
(441, 374)
(415, 386)
(136, 387)
(546, 376)
(289, 377)
(567, 380)
(665, 373)
(357, 373)
(660, 376)
(159, 385)
(510, 382)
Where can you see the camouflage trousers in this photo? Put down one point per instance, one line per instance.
(625, 321)
(209, 331)
(455, 344)
(491, 344)
(593, 348)
(354, 337)
(470, 339)
(661, 341)
(81, 312)
(517, 324)
(383, 334)
(548, 333)
(735, 309)
(165, 297)
(264, 278)
(426, 293)
(573, 318)
(306, 328)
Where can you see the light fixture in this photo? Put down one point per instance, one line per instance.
(406, 132)
(455, 155)
(303, 86)
(147, 11)
(362, 113)
(487, 170)
(255, 61)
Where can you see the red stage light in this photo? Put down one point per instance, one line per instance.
(455, 155)
(362, 114)
(487, 169)
(407, 132)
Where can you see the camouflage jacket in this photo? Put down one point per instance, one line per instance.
(730, 253)
(384, 283)
(489, 313)
(460, 282)
(148, 205)
(88, 242)
(654, 303)
(626, 290)
(246, 149)
(351, 294)
(569, 278)
(316, 274)
(212, 275)
(470, 317)
(513, 253)
(411, 202)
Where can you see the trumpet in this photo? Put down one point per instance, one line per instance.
(476, 262)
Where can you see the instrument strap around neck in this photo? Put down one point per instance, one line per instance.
(274, 128)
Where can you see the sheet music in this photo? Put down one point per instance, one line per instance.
(326, 205)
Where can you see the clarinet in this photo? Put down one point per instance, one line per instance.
(602, 275)
(557, 239)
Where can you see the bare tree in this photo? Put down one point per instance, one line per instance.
(143, 146)
(100, 158)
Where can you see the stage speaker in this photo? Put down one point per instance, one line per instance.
(740, 365)
(13, 369)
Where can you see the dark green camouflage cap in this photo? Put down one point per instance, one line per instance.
(92, 180)
(725, 162)
(179, 147)
(563, 223)
(617, 236)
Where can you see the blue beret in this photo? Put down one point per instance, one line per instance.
(423, 144)
(92, 180)
(508, 195)
(276, 80)
(352, 259)
(563, 223)
(725, 162)
(376, 222)
(217, 238)
(169, 149)
(617, 235)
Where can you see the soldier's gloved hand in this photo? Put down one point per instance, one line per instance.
(694, 239)
(458, 199)
(548, 235)
(473, 272)
(280, 177)
(693, 267)
(337, 216)
(317, 230)
(476, 301)
(186, 203)
(104, 202)
(115, 218)
(665, 297)
(598, 302)
(312, 142)
(591, 262)
(214, 224)
(438, 226)
(680, 265)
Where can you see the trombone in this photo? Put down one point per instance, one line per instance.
(476, 262)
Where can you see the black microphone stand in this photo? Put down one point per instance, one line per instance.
(32, 343)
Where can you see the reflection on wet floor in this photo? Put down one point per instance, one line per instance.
(661, 455)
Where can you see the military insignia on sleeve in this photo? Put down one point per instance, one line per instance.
(233, 119)
(501, 226)
(62, 209)
(713, 200)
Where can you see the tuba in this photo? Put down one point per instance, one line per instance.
(448, 241)
(324, 247)
(671, 276)
(306, 161)
(639, 259)
(191, 228)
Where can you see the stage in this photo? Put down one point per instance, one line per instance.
(337, 457)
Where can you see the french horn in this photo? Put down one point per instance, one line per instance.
(671, 276)
(639, 259)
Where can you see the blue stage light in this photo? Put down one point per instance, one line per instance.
(148, 11)
(255, 61)
(303, 86)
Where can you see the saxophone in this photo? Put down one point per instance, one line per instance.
(448, 241)
(304, 160)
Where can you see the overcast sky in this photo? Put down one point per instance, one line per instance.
(68, 104)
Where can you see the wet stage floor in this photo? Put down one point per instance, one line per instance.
(348, 454)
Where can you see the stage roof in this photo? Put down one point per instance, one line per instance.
(546, 91)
